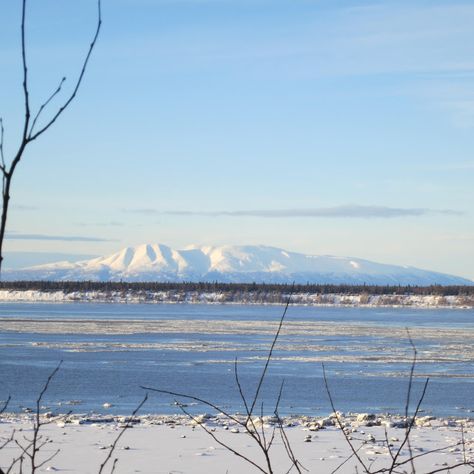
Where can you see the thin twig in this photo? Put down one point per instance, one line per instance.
(2, 153)
(410, 421)
(338, 421)
(29, 134)
(45, 104)
(5, 404)
(244, 400)
(270, 353)
(286, 442)
(196, 399)
(117, 439)
(34, 136)
(346, 460)
(249, 424)
(427, 453)
(33, 446)
(396, 463)
(25, 71)
(218, 441)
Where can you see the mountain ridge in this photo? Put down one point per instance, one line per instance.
(233, 264)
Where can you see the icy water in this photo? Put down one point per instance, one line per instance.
(110, 350)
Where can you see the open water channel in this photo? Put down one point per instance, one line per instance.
(110, 350)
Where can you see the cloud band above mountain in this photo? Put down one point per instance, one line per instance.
(62, 238)
(348, 211)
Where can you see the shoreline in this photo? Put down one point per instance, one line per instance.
(215, 298)
(175, 444)
(357, 419)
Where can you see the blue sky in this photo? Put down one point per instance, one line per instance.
(327, 127)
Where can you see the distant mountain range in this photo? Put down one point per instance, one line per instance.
(233, 264)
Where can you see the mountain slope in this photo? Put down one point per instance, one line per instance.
(158, 262)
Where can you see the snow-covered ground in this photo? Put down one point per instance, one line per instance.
(194, 297)
(175, 444)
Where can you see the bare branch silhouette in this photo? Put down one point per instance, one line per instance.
(218, 441)
(396, 460)
(33, 446)
(2, 138)
(113, 446)
(29, 133)
(248, 423)
(5, 404)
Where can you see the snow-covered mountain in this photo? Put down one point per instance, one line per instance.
(240, 264)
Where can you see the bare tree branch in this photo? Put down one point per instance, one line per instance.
(218, 441)
(196, 399)
(5, 404)
(34, 136)
(25, 72)
(45, 104)
(270, 353)
(117, 439)
(29, 133)
(355, 452)
(33, 446)
(397, 464)
(259, 436)
(2, 153)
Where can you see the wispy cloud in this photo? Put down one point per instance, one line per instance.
(456, 237)
(21, 207)
(62, 238)
(348, 211)
(368, 39)
(101, 224)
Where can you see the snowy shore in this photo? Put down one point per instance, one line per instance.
(193, 297)
(175, 444)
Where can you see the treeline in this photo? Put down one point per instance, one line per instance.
(209, 287)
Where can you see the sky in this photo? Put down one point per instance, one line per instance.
(324, 127)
